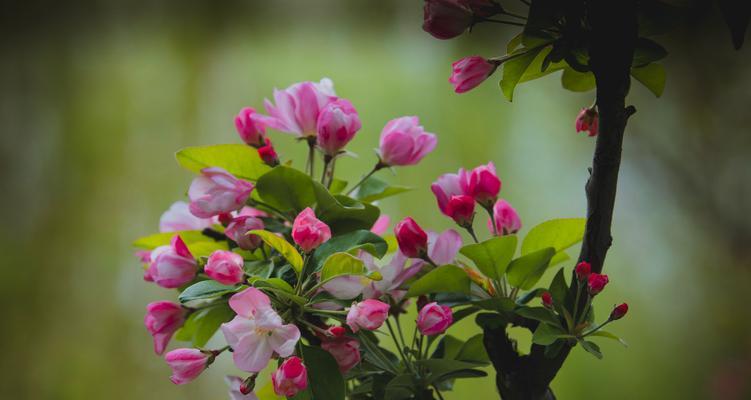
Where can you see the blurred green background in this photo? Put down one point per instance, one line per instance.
(96, 96)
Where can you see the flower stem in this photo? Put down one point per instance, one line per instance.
(472, 233)
(379, 165)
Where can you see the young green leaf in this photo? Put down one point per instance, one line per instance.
(559, 234)
(446, 278)
(240, 160)
(577, 81)
(204, 249)
(609, 335)
(525, 271)
(287, 189)
(652, 76)
(592, 348)
(202, 324)
(473, 350)
(539, 314)
(375, 189)
(205, 290)
(326, 382)
(558, 288)
(349, 242)
(283, 247)
(492, 256)
(343, 214)
(161, 239)
(339, 264)
(546, 335)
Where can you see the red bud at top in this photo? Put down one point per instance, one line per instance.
(583, 270)
(413, 241)
(618, 312)
(547, 300)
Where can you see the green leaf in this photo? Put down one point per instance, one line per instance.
(442, 368)
(541, 314)
(525, 271)
(283, 247)
(337, 186)
(375, 189)
(205, 290)
(286, 188)
(326, 382)
(559, 234)
(449, 347)
(609, 335)
(161, 239)
(400, 388)
(239, 160)
(547, 334)
(204, 249)
(446, 278)
(591, 348)
(350, 242)
(577, 81)
(343, 214)
(202, 324)
(515, 42)
(514, 68)
(473, 350)
(647, 51)
(267, 393)
(259, 268)
(492, 256)
(529, 296)
(559, 289)
(652, 76)
(499, 304)
(339, 264)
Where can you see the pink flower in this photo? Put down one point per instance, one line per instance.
(448, 186)
(368, 314)
(583, 269)
(144, 256)
(381, 225)
(482, 184)
(393, 275)
(443, 248)
(434, 319)
(237, 229)
(172, 266)
(547, 300)
(618, 312)
(298, 107)
(308, 231)
(405, 142)
(257, 332)
(250, 129)
(506, 219)
(588, 120)
(225, 267)
(345, 350)
(596, 282)
(337, 125)
(236, 389)
(470, 72)
(290, 378)
(268, 154)
(461, 209)
(446, 19)
(179, 218)
(217, 192)
(162, 319)
(186, 364)
(413, 241)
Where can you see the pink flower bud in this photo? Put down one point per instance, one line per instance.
(237, 229)
(290, 378)
(336, 331)
(470, 72)
(298, 107)
(268, 154)
(483, 184)
(238, 389)
(217, 192)
(434, 319)
(308, 231)
(446, 19)
(337, 125)
(582, 270)
(368, 314)
(225, 267)
(413, 241)
(588, 120)
(596, 282)
(405, 142)
(186, 364)
(345, 350)
(547, 300)
(618, 312)
(506, 219)
(250, 129)
(172, 266)
(461, 209)
(446, 187)
(162, 320)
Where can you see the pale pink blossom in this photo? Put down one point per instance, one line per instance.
(179, 218)
(216, 192)
(172, 266)
(507, 220)
(448, 186)
(308, 231)
(235, 384)
(290, 378)
(368, 314)
(470, 72)
(443, 247)
(405, 142)
(257, 332)
(337, 125)
(249, 127)
(225, 267)
(482, 184)
(297, 108)
(239, 227)
(186, 364)
(345, 350)
(162, 319)
(434, 319)
(381, 225)
(393, 275)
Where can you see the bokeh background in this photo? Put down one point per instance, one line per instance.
(96, 96)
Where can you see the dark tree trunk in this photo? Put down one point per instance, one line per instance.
(612, 35)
